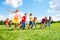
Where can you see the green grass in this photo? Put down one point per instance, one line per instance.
(30, 34)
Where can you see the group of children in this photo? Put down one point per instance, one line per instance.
(22, 22)
(32, 22)
(46, 22)
(17, 20)
(8, 22)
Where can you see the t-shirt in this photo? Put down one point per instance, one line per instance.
(10, 22)
(49, 20)
(7, 21)
(43, 20)
(24, 18)
(31, 18)
(34, 20)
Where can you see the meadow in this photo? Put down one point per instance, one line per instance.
(30, 34)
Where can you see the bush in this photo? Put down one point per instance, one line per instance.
(1, 22)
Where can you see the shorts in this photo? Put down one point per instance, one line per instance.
(30, 23)
(48, 24)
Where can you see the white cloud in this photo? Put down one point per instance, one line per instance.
(55, 4)
(52, 4)
(55, 8)
(2, 17)
(56, 18)
(14, 3)
(10, 16)
(50, 11)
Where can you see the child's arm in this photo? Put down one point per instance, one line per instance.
(10, 11)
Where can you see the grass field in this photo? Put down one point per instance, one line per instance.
(30, 34)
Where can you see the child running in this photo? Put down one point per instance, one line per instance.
(49, 22)
(16, 17)
(30, 22)
(10, 23)
(34, 22)
(24, 21)
(45, 24)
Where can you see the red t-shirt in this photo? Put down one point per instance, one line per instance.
(24, 19)
(6, 21)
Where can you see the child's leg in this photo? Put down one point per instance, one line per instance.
(49, 25)
(32, 24)
(35, 25)
(9, 25)
(45, 25)
(29, 24)
(41, 25)
(23, 25)
(6, 24)
(20, 25)
(15, 25)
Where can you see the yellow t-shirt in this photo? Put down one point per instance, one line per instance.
(34, 20)
(31, 18)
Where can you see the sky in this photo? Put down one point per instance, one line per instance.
(39, 8)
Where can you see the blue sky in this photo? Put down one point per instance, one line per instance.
(39, 8)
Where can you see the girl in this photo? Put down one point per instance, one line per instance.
(42, 23)
(16, 17)
(34, 22)
(6, 22)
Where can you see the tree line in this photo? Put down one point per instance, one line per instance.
(3, 22)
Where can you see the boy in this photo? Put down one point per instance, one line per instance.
(45, 24)
(10, 23)
(24, 21)
(34, 22)
(30, 22)
(49, 22)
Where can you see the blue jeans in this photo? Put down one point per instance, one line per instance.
(30, 23)
(34, 24)
(48, 24)
(23, 25)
